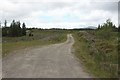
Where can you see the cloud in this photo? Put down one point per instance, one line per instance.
(62, 14)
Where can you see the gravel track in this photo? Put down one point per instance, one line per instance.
(53, 61)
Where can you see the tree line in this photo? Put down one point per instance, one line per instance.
(106, 30)
(107, 25)
(14, 30)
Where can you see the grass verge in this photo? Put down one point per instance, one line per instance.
(97, 61)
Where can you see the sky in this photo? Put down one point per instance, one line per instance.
(59, 13)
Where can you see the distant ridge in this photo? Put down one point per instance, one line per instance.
(91, 27)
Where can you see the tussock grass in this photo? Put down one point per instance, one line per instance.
(97, 55)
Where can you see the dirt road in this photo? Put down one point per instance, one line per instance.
(53, 61)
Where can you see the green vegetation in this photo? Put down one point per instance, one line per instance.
(97, 49)
(41, 37)
(119, 51)
(14, 30)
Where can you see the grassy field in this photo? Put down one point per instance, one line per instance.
(98, 55)
(39, 38)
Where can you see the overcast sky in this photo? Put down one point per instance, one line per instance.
(59, 13)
